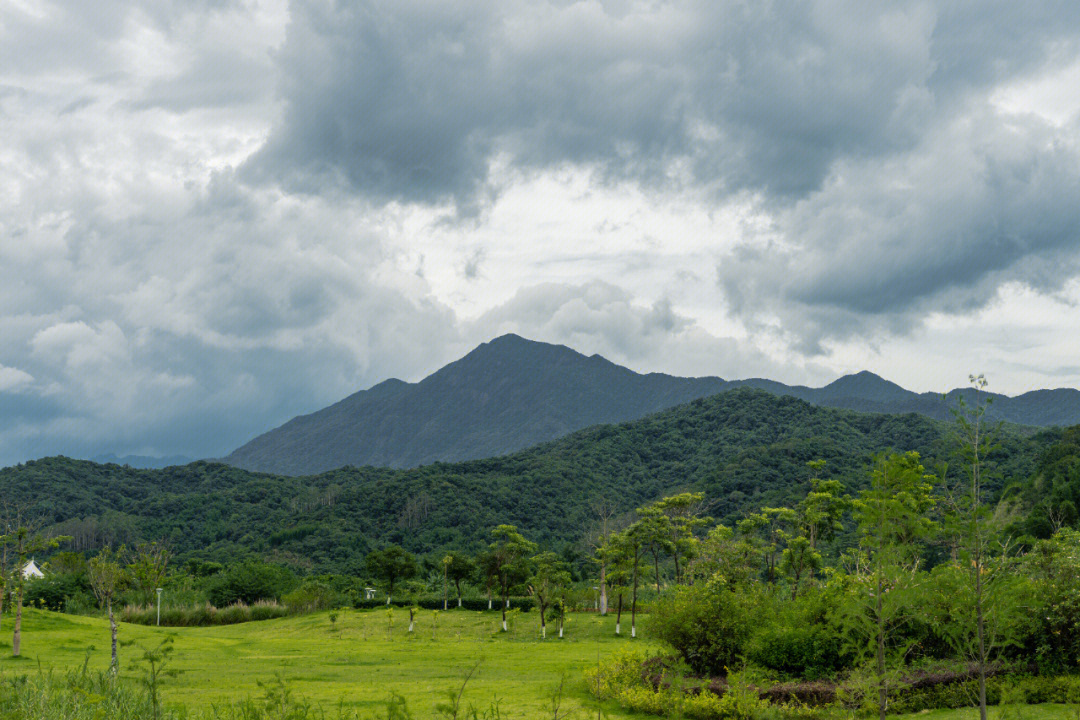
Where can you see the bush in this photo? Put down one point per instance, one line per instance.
(312, 596)
(249, 582)
(808, 651)
(55, 591)
(708, 628)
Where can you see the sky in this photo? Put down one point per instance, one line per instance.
(218, 214)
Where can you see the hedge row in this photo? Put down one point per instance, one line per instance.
(524, 604)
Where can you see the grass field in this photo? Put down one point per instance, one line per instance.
(359, 660)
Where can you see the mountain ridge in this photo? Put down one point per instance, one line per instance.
(511, 393)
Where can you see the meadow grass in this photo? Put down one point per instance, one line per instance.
(359, 659)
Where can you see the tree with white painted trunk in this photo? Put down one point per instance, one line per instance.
(626, 552)
(105, 573)
(391, 565)
(510, 551)
(459, 568)
(550, 577)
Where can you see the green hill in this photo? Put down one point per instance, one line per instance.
(744, 448)
(513, 393)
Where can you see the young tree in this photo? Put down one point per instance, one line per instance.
(604, 510)
(550, 576)
(893, 519)
(768, 528)
(24, 542)
(625, 551)
(683, 512)
(654, 531)
(147, 567)
(511, 551)
(973, 529)
(460, 567)
(391, 565)
(817, 517)
(104, 572)
(487, 572)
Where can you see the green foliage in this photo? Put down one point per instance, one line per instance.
(56, 591)
(708, 627)
(249, 582)
(742, 449)
(391, 565)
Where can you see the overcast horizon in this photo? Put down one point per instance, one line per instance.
(217, 215)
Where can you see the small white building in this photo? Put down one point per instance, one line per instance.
(31, 571)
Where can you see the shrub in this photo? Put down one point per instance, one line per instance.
(55, 591)
(708, 628)
(312, 596)
(250, 582)
(806, 650)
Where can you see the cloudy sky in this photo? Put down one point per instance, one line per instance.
(216, 214)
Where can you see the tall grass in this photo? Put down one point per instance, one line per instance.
(205, 614)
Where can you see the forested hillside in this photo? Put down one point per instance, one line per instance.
(744, 449)
(513, 393)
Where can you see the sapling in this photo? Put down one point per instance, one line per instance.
(104, 573)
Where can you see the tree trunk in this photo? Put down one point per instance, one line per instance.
(16, 638)
(656, 564)
(543, 622)
(678, 573)
(603, 589)
(411, 619)
(457, 584)
(633, 608)
(618, 616)
(505, 604)
(114, 666)
(882, 697)
(979, 620)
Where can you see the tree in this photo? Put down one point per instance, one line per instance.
(683, 512)
(768, 529)
(550, 576)
(625, 551)
(148, 565)
(974, 529)
(487, 572)
(604, 510)
(105, 573)
(654, 531)
(510, 552)
(817, 517)
(391, 565)
(24, 542)
(460, 567)
(892, 517)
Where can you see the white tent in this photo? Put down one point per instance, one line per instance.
(32, 571)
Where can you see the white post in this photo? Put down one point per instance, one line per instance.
(159, 607)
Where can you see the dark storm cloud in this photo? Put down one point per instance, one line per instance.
(865, 129)
(412, 100)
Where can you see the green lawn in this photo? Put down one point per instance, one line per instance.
(354, 661)
(358, 663)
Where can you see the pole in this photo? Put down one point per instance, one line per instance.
(159, 607)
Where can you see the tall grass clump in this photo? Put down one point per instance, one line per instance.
(202, 615)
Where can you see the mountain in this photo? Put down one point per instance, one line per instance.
(505, 395)
(743, 449)
(513, 393)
